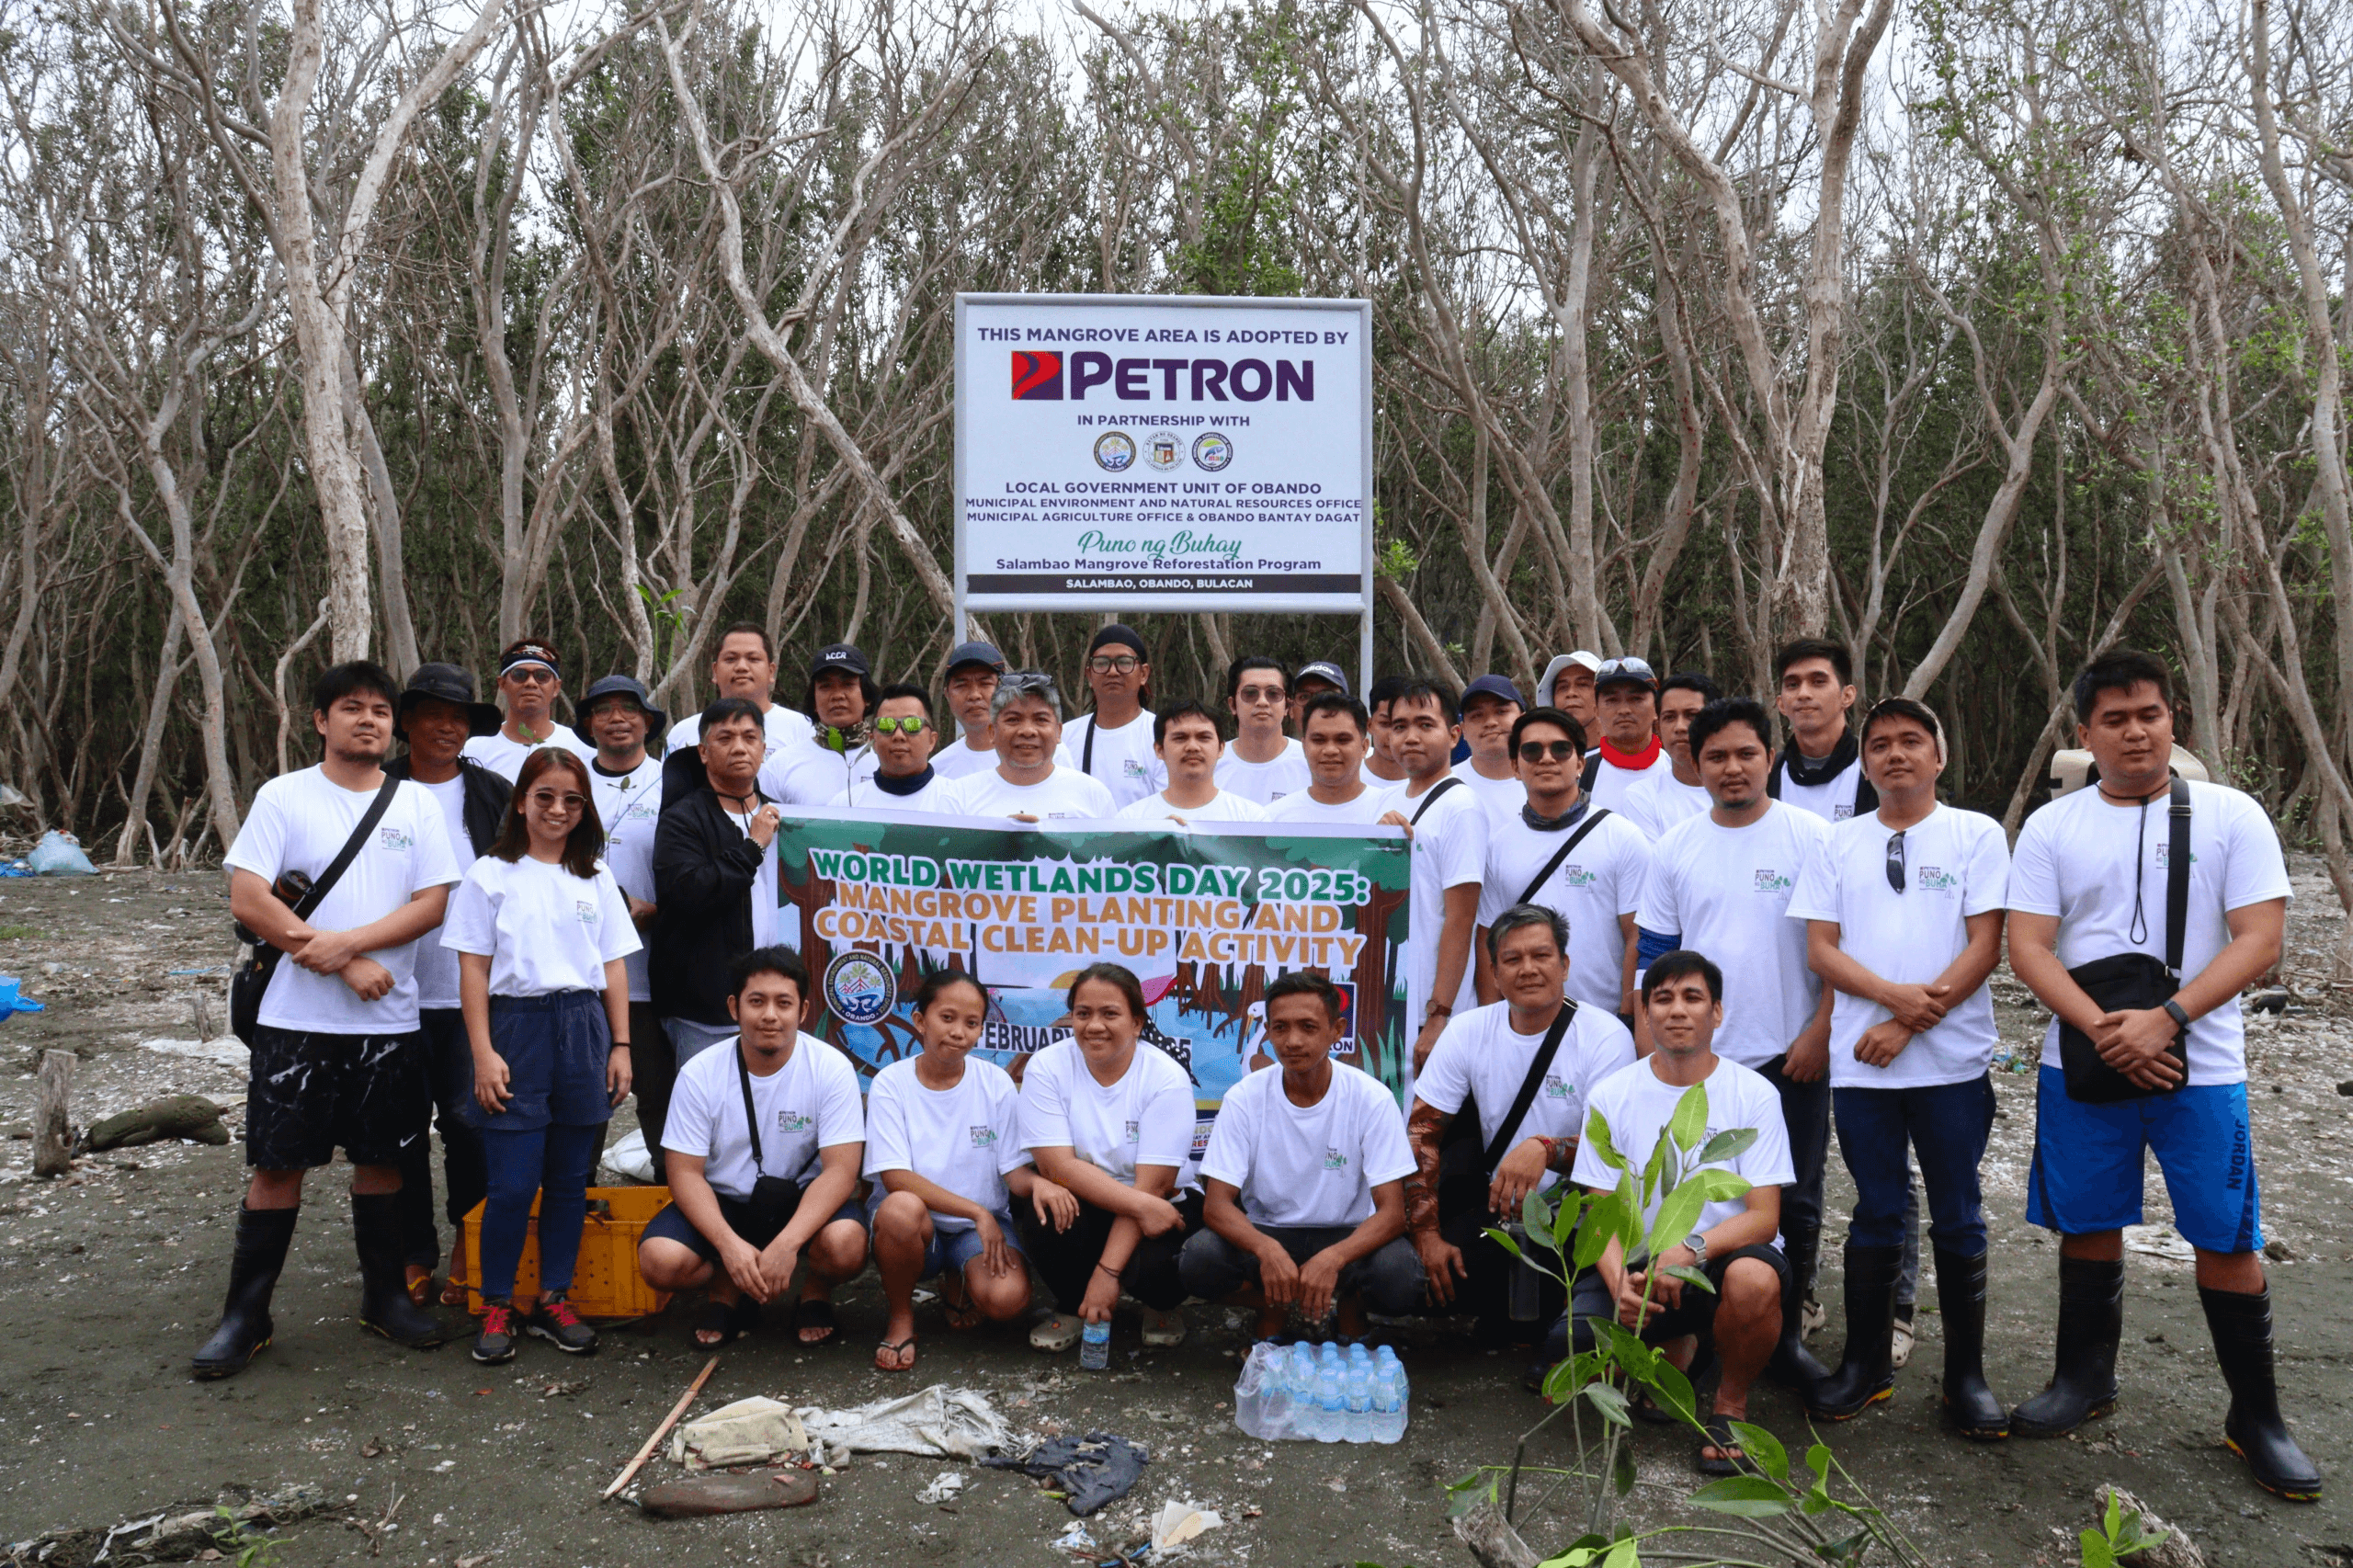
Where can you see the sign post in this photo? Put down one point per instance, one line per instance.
(1145, 452)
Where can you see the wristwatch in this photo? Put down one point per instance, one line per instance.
(1699, 1246)
(2179, 1016)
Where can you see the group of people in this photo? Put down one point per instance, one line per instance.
(1628, 887)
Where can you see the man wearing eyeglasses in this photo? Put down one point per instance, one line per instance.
(528, 680)
(1114, 742)
(1904, 911)
(1263, 765)
(903, 778)
(1567, 853)
(1625, 693)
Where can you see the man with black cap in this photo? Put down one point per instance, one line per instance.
(744, 665)
(1312, 681)
(1113, 743)
(617, 717)
(1490, 706)
(529, 680)
(972, 672)
(1625, 693)
(842, 694)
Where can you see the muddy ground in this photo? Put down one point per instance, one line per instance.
(115, 1274)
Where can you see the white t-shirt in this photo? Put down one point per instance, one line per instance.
(784, 726)
(1264, 782)
(1366, 809)
(1502, 796)
(1063, 793)
(1145, 1119)
(1313, 1165)
(2078, 858)
(958, 760)
(932, 797)
(1613, 786)
(1661, 800)
(1124, 761)
(809, 1103)
(1224, 806)
(1449, 848)
(437, 970)
(298, 823)
(505, 757)
(1374, 780)
(1480, 1054)
(1834, 801)
(1959, 865)
(811, 775)
(964, 1139)
(630, 805)
(1637, 1107)
(1601, 879)
(544, 929)
(1727, 891)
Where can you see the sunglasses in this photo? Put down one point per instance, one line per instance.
(1114, 665)
(549, 800)
(1638, 668)
(1537, 751)
(1261, 694)
(1896, 877)
(913, 724)
(530, 674)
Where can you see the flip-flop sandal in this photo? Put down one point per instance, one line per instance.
(418, 1278)
(814, 1313)
(729, 1320)
(956, 1302)
(1054, 1333)
(886, 1354)
(1719, 1438)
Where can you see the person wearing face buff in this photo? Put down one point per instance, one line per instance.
(1821, 768)
(1628, 750)
(905, 779)
(841, 700)
(1114, 742)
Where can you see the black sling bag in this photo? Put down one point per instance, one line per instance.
(1462, 1186)
(2128, 981)
(252, 979)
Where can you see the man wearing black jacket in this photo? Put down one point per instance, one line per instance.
(438, 714)
(714, 875)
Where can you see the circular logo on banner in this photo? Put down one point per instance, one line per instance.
(858, 988)
(1211, 451)
(1115, 451)
(1163, 451)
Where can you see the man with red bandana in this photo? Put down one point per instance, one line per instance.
(1625, 698)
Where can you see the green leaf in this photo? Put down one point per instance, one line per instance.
(2098, 1554)
(1609, 1403)
(1580, 1552)
(1677, 1216)
(1604, 1220)
(1722, 1187)
(1655, 1171)
(1764, 1448)
(1689, 1122)
(1596, 1137)
(1565, 1214)
(1848, 1550)
(1744, 1497)
(1672, 1390)
(1817, 1461)
(1535, 1216)
(1503, 1239)
(1624, 1477)
(1696, 1278)
(1726, 1144)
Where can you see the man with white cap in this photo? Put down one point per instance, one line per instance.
(1568, 685)
(744, 665)
(528, 680)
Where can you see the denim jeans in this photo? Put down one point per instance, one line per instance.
(554, 1162)
(1805, 1111)
(1946, 1126)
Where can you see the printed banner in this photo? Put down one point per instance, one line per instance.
(1205, 918)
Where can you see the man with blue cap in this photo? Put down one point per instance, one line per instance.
(1490, 706)
(972, 672)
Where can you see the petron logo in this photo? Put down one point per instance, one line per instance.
(859, 988)
(1115, 451)
(1037, 377)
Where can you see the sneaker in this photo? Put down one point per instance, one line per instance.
(554, 1321)
(496, 1343)
(1900, 1348)
(1811, 1316)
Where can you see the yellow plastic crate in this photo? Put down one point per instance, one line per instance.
(607, 1283)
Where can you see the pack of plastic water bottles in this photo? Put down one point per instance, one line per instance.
(1322, 1393)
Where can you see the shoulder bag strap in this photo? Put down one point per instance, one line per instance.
(2177, 876)
(1592, 772)
(1087, 753)
(1562, 853)
(350, 850)
(1509, 1128)
(1440, 788)
(751, 1115)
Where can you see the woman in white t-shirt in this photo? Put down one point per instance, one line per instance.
(943, 1149)
(1110, 1120)
(540, 929)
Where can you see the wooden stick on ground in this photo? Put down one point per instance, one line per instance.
(52, 1131)
(664, 1431)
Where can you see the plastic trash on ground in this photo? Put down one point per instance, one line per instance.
(1093, 1471)
(1328, 1395)
(58, 854)
(943, 1488)
(12, 1001)
(758, 1430)
(938, 1423)
(1180, 1522)
(628, 1157)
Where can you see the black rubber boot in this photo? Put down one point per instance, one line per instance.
(263, 1236)
(2242, 1329)
(384, 1306)
(1866, 1371)
(2083, 1381)
(1960, 1301)
(1792, 1363)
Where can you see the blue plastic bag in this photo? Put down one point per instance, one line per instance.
(60, 854)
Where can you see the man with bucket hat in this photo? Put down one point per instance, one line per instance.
(617, 717)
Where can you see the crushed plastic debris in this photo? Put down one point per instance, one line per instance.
(943, 1488)
(937, 1422)
(1180, 1522)
(758, 1430)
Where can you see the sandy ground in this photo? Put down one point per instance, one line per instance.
(115, 1274)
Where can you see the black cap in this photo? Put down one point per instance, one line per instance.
(982, 654)
(447, 683)
(840, 658)
(1115, 632)
(618, 685)
(1324, 670)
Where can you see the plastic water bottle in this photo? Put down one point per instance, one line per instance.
(1359, 1385)
(1094, 1345)
(1331, 1395)
(1391, 1391)
(1300, 1381)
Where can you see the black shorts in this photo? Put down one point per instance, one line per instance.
(672, 1224)
(308, 1093)
(1696, 1314)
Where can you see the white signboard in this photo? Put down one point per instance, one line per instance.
(1120, 452)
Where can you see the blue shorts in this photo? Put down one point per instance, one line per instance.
(950, 1247)
(2089, 1163)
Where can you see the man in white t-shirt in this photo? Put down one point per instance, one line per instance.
(1304, 1180)
(1113, 742)
(1187, 741)
(1263, 765)
(972, 672)
(1667, 795)
(1026, 784)
(835, 757)
(1720, 885)
(2089, 885)
(528, 682)
(1449, 830)
(1490, 706)
(743, 664)
(336, 1058)
(905, 779)
(1488, 1057)
(1904, 911)
(1821, 769)
(751, 1199)
(1573, 856)
(1334, 731)
(1627, 750)
(618, 715)
(1382, 769)
(1735, 1241)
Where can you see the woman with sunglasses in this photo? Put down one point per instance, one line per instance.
(903, 737)
(541, 930)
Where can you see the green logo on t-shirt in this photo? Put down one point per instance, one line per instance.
(1577, 877)
(1770, 880)
(1553, 1088)
(984, 1136)
(1333, 1159)
(795, 1121)
(1936, 878)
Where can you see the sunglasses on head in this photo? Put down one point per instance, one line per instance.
(912, 724)
(1638, 668)
(1537, 751)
